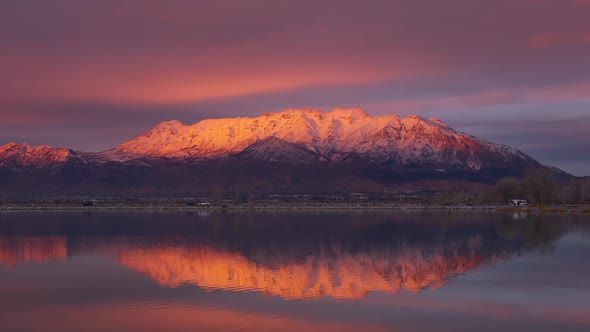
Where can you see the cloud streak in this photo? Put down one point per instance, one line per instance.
(545, 40)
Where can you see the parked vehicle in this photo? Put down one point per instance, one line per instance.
(518, 202)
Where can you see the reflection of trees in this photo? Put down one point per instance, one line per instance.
(542, 234)
(509, 229)
(533, 231)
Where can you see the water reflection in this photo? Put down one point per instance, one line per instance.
(331, 271)
(293, 271)
(342, 257)
(24, 250)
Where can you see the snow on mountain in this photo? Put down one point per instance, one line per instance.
(330, 135)
(290, 151)
(295, 136)
(20, 154)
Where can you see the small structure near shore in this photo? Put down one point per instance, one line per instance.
(518, 202)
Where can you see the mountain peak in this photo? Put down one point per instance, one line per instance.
(310, 112)
(438, 121)
(330, 135)
(24, 154)
(170, 125)
(12, 145)
(351, 112)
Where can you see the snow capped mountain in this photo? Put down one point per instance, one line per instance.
(291, 151)
(330, 135)
(24, 155)
(303, 136)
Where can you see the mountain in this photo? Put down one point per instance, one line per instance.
(276, 150)
(290, 151)
(18, 155)
(329, 135)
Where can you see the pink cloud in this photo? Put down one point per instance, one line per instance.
(569, 92)
(552, 39)
(215, 72)
(560, 93)
(479, 99)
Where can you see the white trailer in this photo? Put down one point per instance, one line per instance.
(518, 202)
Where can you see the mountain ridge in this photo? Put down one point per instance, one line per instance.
(25, 155)
(412, 139)
(292, 150)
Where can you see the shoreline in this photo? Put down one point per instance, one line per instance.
(167, 206)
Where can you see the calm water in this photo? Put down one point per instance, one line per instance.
(338, 271)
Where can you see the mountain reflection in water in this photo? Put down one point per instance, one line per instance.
(337, 255)
(23, 250)
(331, 271)
(304, 271)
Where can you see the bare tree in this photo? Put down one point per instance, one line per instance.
(585, 192)
(509, 187)
(571, 193)
(540, 184)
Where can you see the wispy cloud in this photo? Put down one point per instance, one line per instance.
(80, 67)
(553, 39)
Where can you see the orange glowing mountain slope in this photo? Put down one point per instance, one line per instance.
(331, 135)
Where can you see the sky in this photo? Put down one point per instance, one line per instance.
(89, 75)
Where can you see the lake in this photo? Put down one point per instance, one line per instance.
(294, 271)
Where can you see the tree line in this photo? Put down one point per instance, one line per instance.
(539, 185)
